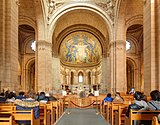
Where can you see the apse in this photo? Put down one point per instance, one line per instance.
(80, 48)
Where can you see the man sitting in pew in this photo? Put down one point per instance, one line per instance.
(154, 104)
(28, 104)
(21, 95)
(139, 104)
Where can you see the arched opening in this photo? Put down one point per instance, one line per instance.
(130, 74)
(30, 75)
(89, 78)
(80, 77)
(72, 78)
(26, 53)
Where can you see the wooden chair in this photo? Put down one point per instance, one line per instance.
(155, 120)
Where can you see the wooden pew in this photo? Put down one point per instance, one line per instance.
(44, 115)
(155, 120)
(140, 115)
(114, 107)
(107, 107)
(7, 108)
(120, 114)
(6, 120)
(19, 115)
(52, 112)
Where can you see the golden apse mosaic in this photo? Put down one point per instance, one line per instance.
(80, 48)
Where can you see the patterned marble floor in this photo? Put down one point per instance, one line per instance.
(81, 117)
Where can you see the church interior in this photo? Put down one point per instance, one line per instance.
(77, 47)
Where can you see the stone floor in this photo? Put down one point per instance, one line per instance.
(81, 117)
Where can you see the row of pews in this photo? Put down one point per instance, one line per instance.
(49, 113)
(114, 113)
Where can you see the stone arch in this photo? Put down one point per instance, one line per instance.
(27, 41)
(30, 74)
(131, 68)
(41, 20)
(23, 20)
(134, 41)
(138, 19)
(82, 6)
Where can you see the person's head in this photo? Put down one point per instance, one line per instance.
(11, 95)
(31, 95)
(109, 95)
(21, 93)
(155, 95)
(138, 95)
(2, 94)
(42, 93)
(117, 94)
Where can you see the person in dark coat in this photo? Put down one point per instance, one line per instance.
(28, 104)
(21, 95)
(2, 98)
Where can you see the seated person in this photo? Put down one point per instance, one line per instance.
(118, 98)
(108, 98)
(50, 97)
(28, 104)
(21, 95)
(11, 97)
(139, 104)
(132, 91)
(154, 104)
(42, 97)
(90, 94)
(2, 98)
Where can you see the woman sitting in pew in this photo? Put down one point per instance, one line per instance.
(139, 104)
(118, 98)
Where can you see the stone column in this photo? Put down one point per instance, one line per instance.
(67, 78)
(150, 47)
(86, 79)
(76, 79)
(93, 79)
(9, 44)
(2, 41)
(158, 15)
(44, 65)
(118, 64)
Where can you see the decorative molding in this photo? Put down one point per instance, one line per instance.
(108, 6)
(17, 2)
(52, 6)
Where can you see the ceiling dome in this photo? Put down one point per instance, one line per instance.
(80, 48)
